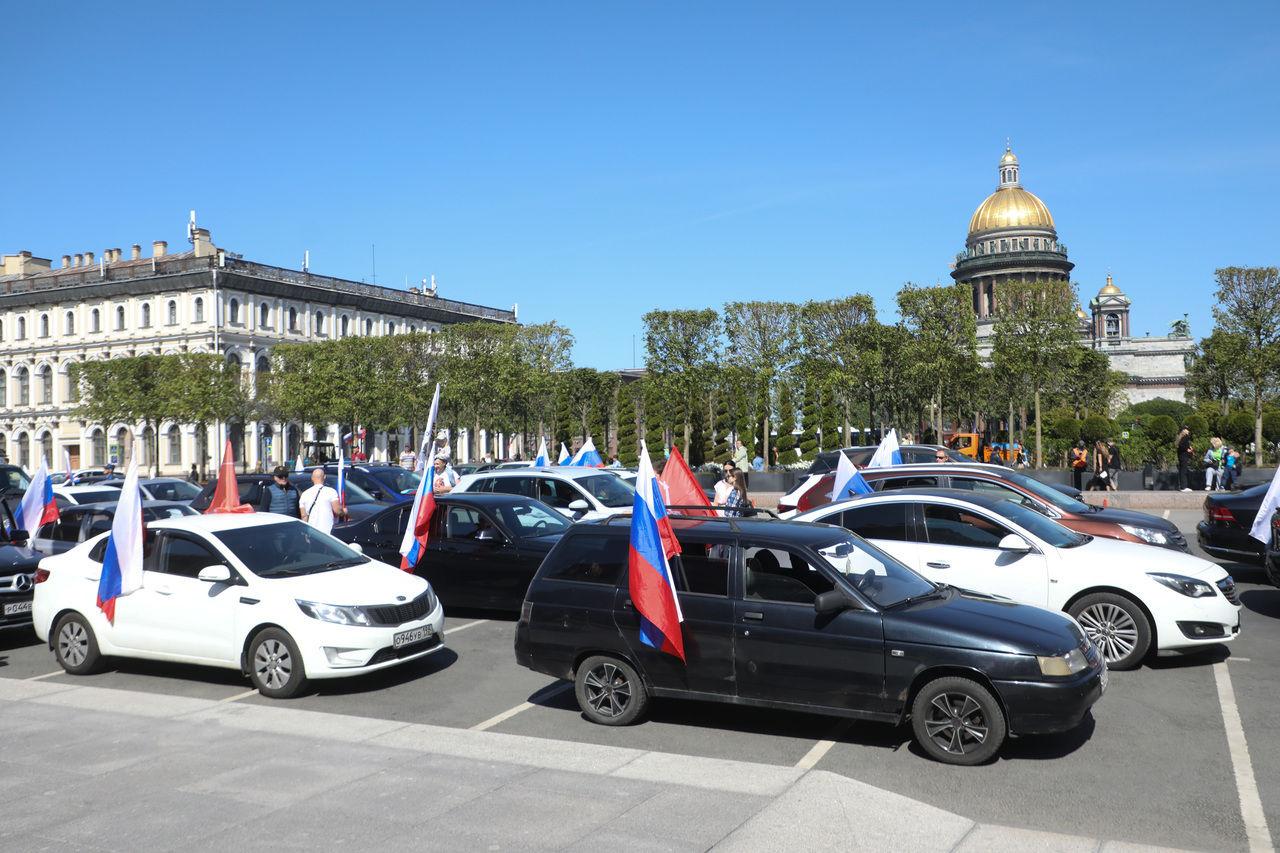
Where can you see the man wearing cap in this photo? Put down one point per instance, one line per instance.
(280, 496)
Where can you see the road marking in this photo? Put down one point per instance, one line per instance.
(1166, 513)
(523, 706)
(1239, 660)
(46, 675)
(1255, 820)
(239, 696)
(819, 749)
(449, 631)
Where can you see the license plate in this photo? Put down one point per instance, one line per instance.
(413, 635)
(17, 607)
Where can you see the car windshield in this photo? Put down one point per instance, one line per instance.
(287, 549)
(872, 572)
(1048, 494)
(156, 513)
(530, 518)
(173, 490)
(1045, 529)
(397, 479)
(15, 480)
(609, 490)
(96, 496)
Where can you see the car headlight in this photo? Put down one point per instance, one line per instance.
(1069, 664)
(1146, 534)
(339, 614)
(1183, 584)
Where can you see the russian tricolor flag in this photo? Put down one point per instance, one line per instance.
(652, 591)
(424, 502)
(587, 456)
(38, 506)
(342, 482)
(122, 564)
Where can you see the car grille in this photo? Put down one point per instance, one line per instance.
(392, 653)
(1228, 587)
(398, 614)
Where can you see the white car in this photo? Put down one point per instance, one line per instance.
(261, 593)
(582, 494)
(160, 488)
(93, 493)
(1128, 597)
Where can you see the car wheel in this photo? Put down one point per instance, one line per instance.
(957, 721)
(275, 666)
(75, 646)
(1117, 626)
(609, 691)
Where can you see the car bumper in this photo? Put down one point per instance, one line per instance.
(1176, 615)
(1044, 707)
(1228, 543)
(15, 610)
(338, 651)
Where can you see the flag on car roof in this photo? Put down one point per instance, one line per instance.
(226, 495)
(342, 482)
(649, 575)
(1261, 529)
(66, 464)
(38, 506)
(416, 530)
(682, 487)
(587, 456)
(122, 563)
(542, 457)
(564, 455)
(887, 453)
(849, 481)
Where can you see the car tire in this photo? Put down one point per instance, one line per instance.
(958, 721)
(609, 691)
(1117, 626)
(75, 646)
(275, 666)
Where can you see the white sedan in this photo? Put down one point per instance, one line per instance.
(261, 593)
(1128, 597)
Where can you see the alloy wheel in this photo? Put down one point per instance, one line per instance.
(608, 690)
(73, 643)
(955, 723)
(273, 663)
(1111, 629)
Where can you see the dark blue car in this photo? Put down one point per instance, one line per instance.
(387, 483)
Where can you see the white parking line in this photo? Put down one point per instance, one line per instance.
(239, 696)
(1166, 513)
(1255, 820)
(523, 706)
(810, 759)
(1234, 659)
(464, 627)
(46, 675)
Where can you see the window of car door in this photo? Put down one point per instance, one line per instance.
(892, 483)
(703, 566)
(183, 556)
(950, 525)
(523, 486)
(99, 522)
(392, 523)
(557, 493)
(994, 489)
(467, 524)
(781, 575)
(890, 521)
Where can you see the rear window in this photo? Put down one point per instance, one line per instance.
(589, 558)
(97, 496)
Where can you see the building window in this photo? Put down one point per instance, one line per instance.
(95, 321)
(413, 329)
(4, 391)
(45, 377)
(199, 310)
(24, 449)
(46, 447)
(264, 316)
(346, 325)
(233, 312)
(319, 327)
(1, 330)
(143, 451)
(98, 449)
(71, 323)
(73, 387)
(391, 328)
(1113, 325)
(293, 319)
(368, 327)
(119, 318)
(24, 387)
(172, 313)
(146, 316)
(174, 439)
(22, 328)
(44, 325)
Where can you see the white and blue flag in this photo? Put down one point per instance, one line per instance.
(542, 458)
(888, 452)
(849, 481)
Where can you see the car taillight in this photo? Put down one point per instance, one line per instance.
(41, 575)
(1221, 513)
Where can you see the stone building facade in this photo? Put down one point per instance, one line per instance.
(205, 299)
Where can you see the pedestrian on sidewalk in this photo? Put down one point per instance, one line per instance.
(320, 503)
(1114, 465)
(1079, 461)
(737, 501)
(280, 496)
(1184, 450)
(408, 459)
(1213, 459)
(1101, 465)
(194, 476)
(741, 461)
(1230, 468)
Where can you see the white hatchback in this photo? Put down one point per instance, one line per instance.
(1128, 597)
(261, 593)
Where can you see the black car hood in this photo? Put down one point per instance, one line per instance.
(18, 557)
(1133, 518)
(975, 621)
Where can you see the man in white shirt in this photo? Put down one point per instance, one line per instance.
(319, 504)
(446, 477)
(408, 459)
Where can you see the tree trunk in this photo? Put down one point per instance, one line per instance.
(1039, 453)
(1257, 430)
(688, 433)
(765, 439)
(155, 449)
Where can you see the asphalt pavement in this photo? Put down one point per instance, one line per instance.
(1159, 761)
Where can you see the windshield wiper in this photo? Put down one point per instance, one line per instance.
(939, 592)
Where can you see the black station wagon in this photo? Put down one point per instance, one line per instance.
(807, 617)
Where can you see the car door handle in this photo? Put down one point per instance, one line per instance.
(753, 616)
(164, 590)
(938, 565)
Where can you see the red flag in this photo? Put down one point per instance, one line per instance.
(681, 487)
(226, 495)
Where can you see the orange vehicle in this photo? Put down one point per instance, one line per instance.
(968, 443)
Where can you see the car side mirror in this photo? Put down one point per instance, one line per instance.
(831, 602)
(579, 505)
(1014, 544)
(215, 574)
(356, 546)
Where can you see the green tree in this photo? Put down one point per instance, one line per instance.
(1247, 307)
(1096, 428)
(944, 340)
(682, 349)
(1214, 374)
(786, 424)
(763, 342)
(836, 360)
(1238, 428)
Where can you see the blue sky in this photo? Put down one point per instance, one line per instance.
(592, 161)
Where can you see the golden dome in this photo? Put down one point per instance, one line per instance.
(1010, 207)
(1080, 313)
(1110, 289)
(1009, 158)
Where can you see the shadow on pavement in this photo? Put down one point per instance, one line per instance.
(1201, 656)
(1044, 747)
(382, 679)
(1264, 602)
(475, 613)
(17, 639)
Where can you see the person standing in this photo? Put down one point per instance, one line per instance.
(725, 484)
(1101, 465)
(1184, 450)
(1079, 461)
(1114, 465)
(408, 459)
(194, 476)
(1230, 468)
(320, 504)
(737, 501)
(1214, 458)
(446, 477)
(741, 461)
(280, 496)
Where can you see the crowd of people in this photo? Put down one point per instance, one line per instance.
(1221, 463)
